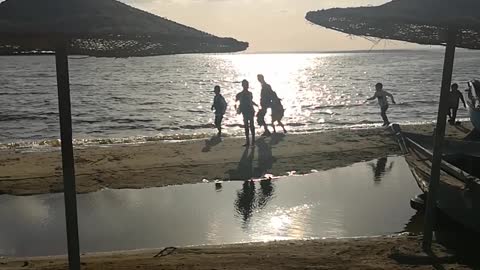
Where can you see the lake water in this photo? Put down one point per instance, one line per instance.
(156, 98)
(364, 199)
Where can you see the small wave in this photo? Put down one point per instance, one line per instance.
(287, 124)
(119, 98)
(235, 125)
(295, 124)
(417, 103)
(347, 123)
(130, 120)
(179, 137)
(131, 127)
(339, 106)
(425, 101)
(4, 118)
(82, 85)
(43, 145)
(84, 121)
(149, 103)
(166, 128)
(197, 111)
(330, 113)
(202, 126)
(23, 93)
(45, 75)
(31, 145)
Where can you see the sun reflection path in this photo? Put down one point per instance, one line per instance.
(318, 91)
(284, 224)
(289, 75)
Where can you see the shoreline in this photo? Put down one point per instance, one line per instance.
(127, 252)
(157, 164)
(47, 145)
(383, 252)
(53, 144)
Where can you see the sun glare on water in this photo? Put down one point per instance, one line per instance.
(288, 74)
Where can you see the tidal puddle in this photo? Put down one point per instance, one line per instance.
(364, 199)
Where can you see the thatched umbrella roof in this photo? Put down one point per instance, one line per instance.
(103, 28)
(99, 28)
(417, 21)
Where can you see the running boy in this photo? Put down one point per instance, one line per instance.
(220, 107)
(454, 100)
(382, 95)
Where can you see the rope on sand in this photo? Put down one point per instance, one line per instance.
(165, 252)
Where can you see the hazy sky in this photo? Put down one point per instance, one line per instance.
(269, 25)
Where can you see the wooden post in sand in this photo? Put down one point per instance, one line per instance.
(438, 140)
(68, 165)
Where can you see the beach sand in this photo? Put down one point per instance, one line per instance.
(170, 163)
(398, 252)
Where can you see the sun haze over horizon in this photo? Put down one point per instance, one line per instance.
(268, 25)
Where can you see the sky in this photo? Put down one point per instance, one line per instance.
(268, 25)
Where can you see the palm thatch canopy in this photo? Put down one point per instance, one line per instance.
(103, 28)
(417, 21)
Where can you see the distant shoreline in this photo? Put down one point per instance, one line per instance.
(433, 50)
(342, 51)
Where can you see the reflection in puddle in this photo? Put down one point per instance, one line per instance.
(342, 202)
(380, 168)
(248, 200)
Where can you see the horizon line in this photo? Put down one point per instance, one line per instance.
(341, 51)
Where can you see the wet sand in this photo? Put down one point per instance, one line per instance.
(399, 252)
(170, 163)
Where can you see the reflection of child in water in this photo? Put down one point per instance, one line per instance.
(380, 168)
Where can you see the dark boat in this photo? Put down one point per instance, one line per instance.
(459, 189)
(473, 103)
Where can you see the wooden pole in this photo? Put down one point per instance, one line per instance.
(68, 163)
(438, 140)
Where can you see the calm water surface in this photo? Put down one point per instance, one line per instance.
(118, 100)
(361, 200)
